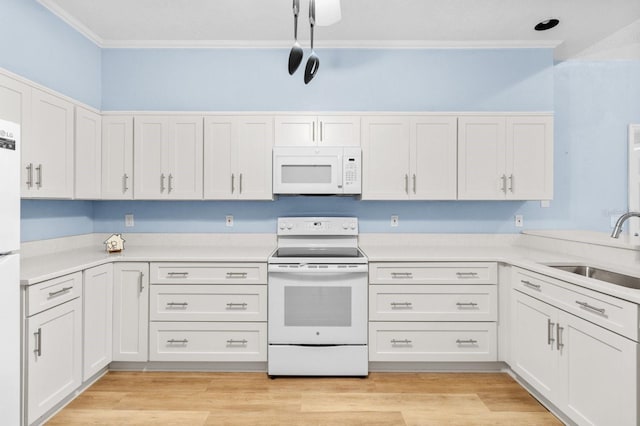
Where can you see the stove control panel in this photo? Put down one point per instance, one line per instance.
(318, 226)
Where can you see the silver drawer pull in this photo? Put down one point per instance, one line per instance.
(550, 338)
(531, 285)
(402, 275)
(175, 341)
(38, 349)
(401, 342)
(467, 274)
(591, 308)
(401, 305)
(237, 342)
(559, 344)
(236, 275)
(177, 274)
(181, 304)
(466, 304)
(466, 342)
(63, 290)
(242, 305)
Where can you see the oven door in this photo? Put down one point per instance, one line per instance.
(304, 170)
(318, 304)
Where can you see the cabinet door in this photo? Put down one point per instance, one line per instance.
(434, 158)
(98, 319)
(54, 357)
(50, 146)
(88, 154)
(15, 106)
(251, 158)
(117, 157)
(130, 311)
(338, 130)
(296, 130)
(534, 354)
(219, 134)
(151, 138)
(481, 158)
(385, 158)
(600, 372)
(529, 158)
(184, 158)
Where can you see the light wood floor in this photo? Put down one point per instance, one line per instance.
(136, 398)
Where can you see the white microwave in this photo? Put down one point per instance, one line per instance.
(317, 170)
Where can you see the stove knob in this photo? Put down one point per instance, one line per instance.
(353, 226)
(345, 226)
(289, 226)
(281, 226)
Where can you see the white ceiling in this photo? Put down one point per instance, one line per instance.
(365, 23)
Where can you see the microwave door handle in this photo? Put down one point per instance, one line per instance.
(340, 172)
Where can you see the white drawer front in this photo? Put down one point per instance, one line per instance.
(433, 273)
(208, 303)
(208, 341)
(433, 302)
(432, 341)
(606, 311)
(48, 294)
(208, 273)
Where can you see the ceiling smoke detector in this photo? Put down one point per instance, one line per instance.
(547, 24)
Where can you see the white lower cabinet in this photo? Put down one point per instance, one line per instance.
(588, 372)
(130, 311)
(98, 319)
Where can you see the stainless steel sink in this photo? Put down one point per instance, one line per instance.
(602, 275)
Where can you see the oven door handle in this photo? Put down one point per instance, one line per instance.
(361, 269)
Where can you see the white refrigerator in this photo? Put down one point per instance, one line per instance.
(10, 273)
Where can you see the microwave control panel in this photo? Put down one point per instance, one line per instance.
(351, 170)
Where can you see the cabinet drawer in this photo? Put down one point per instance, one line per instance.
(48, 294)
(208, 303)
(433, 273)
(208, 341)
(432, 341)
(208, 273)
(606, 311)
(433, 302)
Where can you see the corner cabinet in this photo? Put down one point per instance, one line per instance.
(88, 155)
(117, 157)
(505, 157)
(311, 130)
(130, 312)
(168, 157)
(409, 157)
(237, 157)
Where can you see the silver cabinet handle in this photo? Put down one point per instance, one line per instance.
(240, 183)
(140, 283)
(504, 183)
(182, 274)
(401, 342)
(559, 344)
(174, 341)
(550, 338)
(30, 175)
(402, 275)
(467, 274)
(396, 305)
(180, 304)
(406, 183)
(161, 183)
(233, 183)
(170, 183)
(591, 308)
(236, 275)
(466, 304)
(62, 290)
(39, 179)
(237, 342)
(511, 183)
(321, 132)
(414, 183)
(125, 179)
(38, 335)
(242, 305)
(531, 285)
(466, 342)
(313, 135)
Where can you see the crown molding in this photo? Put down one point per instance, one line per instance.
(72, 21)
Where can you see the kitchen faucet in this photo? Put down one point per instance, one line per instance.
(618, 228)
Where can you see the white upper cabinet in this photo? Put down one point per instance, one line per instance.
(312, 130)
(15, 102)
(168, 157)
(88, 154)
(47, 154)
(237, 157)
(409, 157)
(117, 157)
(502, 157)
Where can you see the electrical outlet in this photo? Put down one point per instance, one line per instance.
(519, 221)
(229, 220)
(545, 203)
(128, 220)
(395, 221)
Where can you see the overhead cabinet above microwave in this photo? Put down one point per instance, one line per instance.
(311, 130)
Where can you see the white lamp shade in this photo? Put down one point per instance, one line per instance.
(327, 12)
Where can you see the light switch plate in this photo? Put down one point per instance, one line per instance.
(229, 220)
(519, 221)
(128, 220)
(395, 221)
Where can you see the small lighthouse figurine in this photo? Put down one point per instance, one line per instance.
(114, 243)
